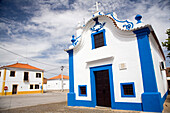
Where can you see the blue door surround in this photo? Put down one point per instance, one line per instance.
(151, 98)
(114, 105)
(93, 84)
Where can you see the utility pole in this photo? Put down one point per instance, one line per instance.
(62, 67)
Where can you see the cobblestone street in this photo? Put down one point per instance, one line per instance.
(63, 108)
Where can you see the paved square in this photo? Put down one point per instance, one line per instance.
(16, 101)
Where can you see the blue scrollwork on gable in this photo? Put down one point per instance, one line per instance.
(128, 25)
(97, 25)
(75, 40)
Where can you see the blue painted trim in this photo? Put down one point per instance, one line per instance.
(147, 68)
(80, 90)
(122, 90)
(71, 99)
(84, 103)
(71, 71)
(164, 97)
(151, 102)
(75, 40)
(93, 85)
(104, 37)
(129, 24)
(117, 105)
(100, 25)
(71, 94)
(128, 106)
(151, 98)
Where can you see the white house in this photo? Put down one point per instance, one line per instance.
(21, 79)
(55, 83)
(117, 64)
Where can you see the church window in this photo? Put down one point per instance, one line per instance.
(98, 39)
(127, 89)
(82, 90)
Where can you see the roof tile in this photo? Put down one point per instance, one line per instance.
(59, 77)
(25, 66)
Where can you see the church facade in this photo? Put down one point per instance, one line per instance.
(116, 64)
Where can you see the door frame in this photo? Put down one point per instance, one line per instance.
(93, 84)
(12, 89)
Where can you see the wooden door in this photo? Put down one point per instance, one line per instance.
(102, 88)
(14, 89)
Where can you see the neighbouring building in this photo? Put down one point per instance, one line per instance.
(44, 80)
(117, 64)
(55, 83)
(44, 84)
(21, 79)
(168, 77)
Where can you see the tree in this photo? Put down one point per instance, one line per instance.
(167, 42)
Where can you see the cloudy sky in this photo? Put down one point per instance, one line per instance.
(40, 30)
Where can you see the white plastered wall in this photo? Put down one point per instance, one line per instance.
(19, 80)
(1, 79)
(157, 58)
(56, 84)
(121, 48)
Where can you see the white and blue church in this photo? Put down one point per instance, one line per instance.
(117, 64)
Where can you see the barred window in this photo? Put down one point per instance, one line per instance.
(99, 40)
(82, 90)
(127, 89)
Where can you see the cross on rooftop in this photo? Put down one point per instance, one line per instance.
(97, 6)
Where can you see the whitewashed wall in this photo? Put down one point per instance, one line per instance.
(56, 84)
(160, 75)
(19, 80)
(1, 79)
(44, 87)
(121, 48)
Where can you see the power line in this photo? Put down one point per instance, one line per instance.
(50, 73)
(52, 69)
(27, 57)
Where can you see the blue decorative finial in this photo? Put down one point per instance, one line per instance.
(73, 40)
(138, 18)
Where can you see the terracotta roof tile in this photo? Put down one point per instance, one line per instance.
(25, 66)
(59, 77)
